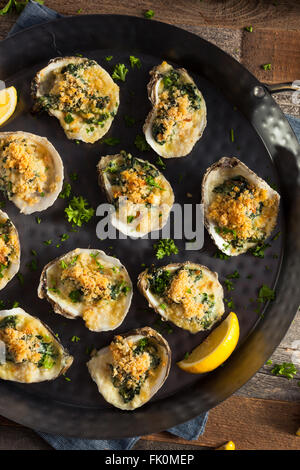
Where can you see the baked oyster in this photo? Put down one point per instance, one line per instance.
(80, 94)
(89, 284)
(141, 195)
(132, 368)
(178, 117)
(187, 294)
(29, 351)
(10, 251)
(240, 208)
(31, 171)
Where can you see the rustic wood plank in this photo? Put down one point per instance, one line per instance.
(280, 49)
(250, 424)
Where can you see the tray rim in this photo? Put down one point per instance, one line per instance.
(189, 414)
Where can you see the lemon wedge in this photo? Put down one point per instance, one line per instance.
(215, 349)
(230, 445)
(8, 103)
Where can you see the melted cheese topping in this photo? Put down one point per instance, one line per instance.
(84, 98)
(244, 216)
(126, 363)
(21, 345)
(26, 356)
(192, 300)
(142, 196)
(26, 169)
(178, 111)
(9, 247)
(95, 288)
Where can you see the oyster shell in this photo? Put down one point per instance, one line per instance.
(178, 117)
(10, 247)
(80, 94)
(31, 171)
(240, 208)
(187, 294)
(143, 350)
(142, 196)
(89, 284)
(29, 351)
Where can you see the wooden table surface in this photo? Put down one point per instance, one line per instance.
(265, 413)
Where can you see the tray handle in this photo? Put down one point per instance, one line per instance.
(279, 87)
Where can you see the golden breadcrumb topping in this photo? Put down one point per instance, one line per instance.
(244, 216)
(185, 291)
(177, 114)
(22, 345)
(91, 282)
(135, 188)
(23, 168)
(126, 362)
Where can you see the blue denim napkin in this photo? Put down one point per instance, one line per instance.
(33, 14)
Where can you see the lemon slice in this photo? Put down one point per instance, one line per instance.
(8, 103)
(230, 445)
(215, 349)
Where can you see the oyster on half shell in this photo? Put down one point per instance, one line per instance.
(141, 195)
(31, 171)
(132, 368)
(29, 350)
(178, 117)
(240, 208)
(187, 294)
(10, 251)
(80, 94)
(89, 284)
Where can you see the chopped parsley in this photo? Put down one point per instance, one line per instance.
(64, 237)
(286, 369)
(120, 72)
(141, 144)
(149, 14)
(47, 242)
(165, 247)
(259, 250)
(219, 254)
(75, 339)
(78, 211)
(229, 285)
(234, 275)
(75, 295)
(73, 176)
(21, 278)
(108, 58)
(130, 218)
(38, 220)
(111, 141)
(266, 66)
(69, 118)
(160, 163)
(66, 191)
(135, 61)
(14, 5)
(265, 294)
(249, 29)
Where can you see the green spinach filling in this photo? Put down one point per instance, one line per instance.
(128, 385)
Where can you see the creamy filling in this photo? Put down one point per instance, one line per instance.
(241, 212)
(178, 102)
(26, 169)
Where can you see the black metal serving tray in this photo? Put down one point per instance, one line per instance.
(263, 140)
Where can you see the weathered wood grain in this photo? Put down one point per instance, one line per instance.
(269, 14)
(250, 424)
